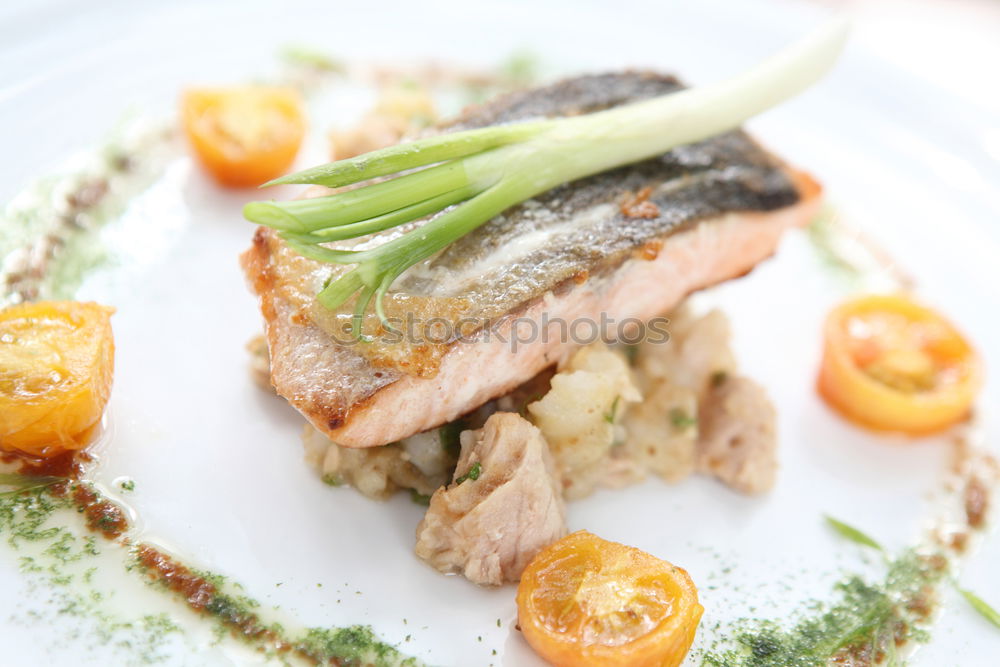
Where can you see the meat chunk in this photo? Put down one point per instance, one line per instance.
(503, 506)
(737, 436)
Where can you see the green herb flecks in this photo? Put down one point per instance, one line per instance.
(420, 498)
(43, 526)
(471, 176)
(681, 420)
(13, 483)
(448, 436)
(520, 69)
(631, 352)
(853, 534)
(609, 416)
(355, 645)
(238, 615)
(50, 240)
(825, 237)
(847, 256)
(58, 565)
(312, 58)
(862, 625)
(473, 473)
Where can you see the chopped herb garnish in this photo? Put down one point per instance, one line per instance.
(520, 68)
(865, 618)
(302, 55)
(631, 352)
(827, 236)
(853, 534)
(420, 498)
(609, 416)
(15, 479)
(681, 420)
(449, 434)
(127, 485)
(980, 605)
(23, 483)
(332, 480)
(355, 645)
(36, 518)
(719, 378)
(473, 473)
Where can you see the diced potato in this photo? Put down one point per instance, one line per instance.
(56, 368)
(577, 416)
(662, 432)
(698, 351)
(378, 472)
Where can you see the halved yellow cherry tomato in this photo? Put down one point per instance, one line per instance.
(586, 601)
(891, 364)
(56, 366)
(244, 136)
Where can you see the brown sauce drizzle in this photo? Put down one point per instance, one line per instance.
(202, 596)
(977, 502)
(102, 516)
(198, 591)
(68, 464)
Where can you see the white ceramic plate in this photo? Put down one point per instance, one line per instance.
(218, 464)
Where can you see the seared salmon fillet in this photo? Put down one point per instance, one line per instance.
(628, 243)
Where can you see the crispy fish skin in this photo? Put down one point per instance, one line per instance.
(631, 243)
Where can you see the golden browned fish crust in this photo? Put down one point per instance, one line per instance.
(709, 212)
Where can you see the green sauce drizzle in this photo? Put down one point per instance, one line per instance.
(864, 625)
(54, 562)
(35, 522)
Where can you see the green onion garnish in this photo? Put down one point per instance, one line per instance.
(474, 175)
(980, 605)
(853, 534)
(23, 483)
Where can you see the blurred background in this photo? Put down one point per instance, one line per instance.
(78, 66)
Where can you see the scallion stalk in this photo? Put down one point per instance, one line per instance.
(476, 174)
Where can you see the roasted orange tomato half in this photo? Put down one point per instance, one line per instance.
(586, 601)
(56, 365)
(891, 364)
(246, 135)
